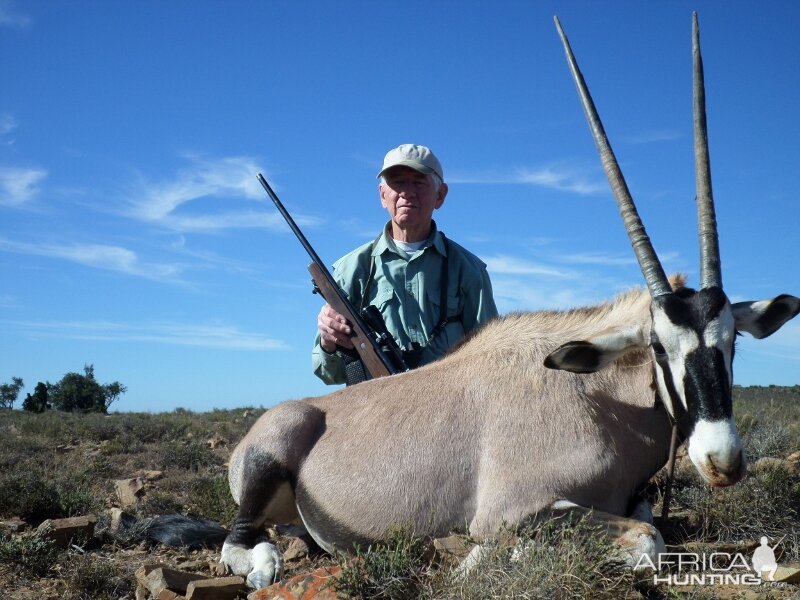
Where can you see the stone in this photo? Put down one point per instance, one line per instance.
(452, 549)
(787, 574)
(64, 532)
(314, 585)
(217, 442)
(296, 550)
(164, 578)
(223, 588)
(129, 491)
(14, 525)
(143, 571)
(120, 520)
(167, 595)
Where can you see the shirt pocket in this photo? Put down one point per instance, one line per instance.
(383, 297)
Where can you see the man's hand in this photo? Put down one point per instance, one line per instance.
(333, 329)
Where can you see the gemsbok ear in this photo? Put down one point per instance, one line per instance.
(764, 317)
(596, 353)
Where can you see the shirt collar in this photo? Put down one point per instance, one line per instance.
(386, 243)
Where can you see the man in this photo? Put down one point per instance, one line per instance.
(405, 270)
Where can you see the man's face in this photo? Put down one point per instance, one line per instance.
(410, 197)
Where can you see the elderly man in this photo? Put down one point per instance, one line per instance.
(429, 290)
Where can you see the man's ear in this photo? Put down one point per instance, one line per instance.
(443, 189)
(381, 192)
(765, 317)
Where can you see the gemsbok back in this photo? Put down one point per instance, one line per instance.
(535, 410)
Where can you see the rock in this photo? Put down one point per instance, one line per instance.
(15, 525)
(452, 549)
(162, 578)
(746, 547)
(129, 491)
(150, 475)
(314, 585)
(143, 571)
(787, 574)
(120, 521)
(297, 549)
(167, 595)
(217, 442)
(64, 532)
(223, 588)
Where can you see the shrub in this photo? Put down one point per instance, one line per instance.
(90, 578)
(394, 570)
(766, 504)
(211, 498)
(29, 495)
(31, 555)
(189, 456)
(554, 559)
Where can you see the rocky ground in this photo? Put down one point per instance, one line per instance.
(97, 548)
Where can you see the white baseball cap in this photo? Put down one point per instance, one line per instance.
(419, 158)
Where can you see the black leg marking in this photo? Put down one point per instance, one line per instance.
(262, 478)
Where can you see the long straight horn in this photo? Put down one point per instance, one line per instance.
(710, 265)
(651, 268)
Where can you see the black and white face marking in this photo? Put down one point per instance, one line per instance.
(692, 341)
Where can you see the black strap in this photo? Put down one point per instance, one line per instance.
(443, 279)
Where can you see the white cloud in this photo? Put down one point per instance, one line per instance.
(7, 123)
(502, 264)
(19, 185)
(655, 136)
(557, 177)
(222, 185)
(596, 258)
(99, 256)
(214, 335)
(10, 18)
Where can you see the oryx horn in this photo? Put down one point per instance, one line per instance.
(710, 267)
(651, 267)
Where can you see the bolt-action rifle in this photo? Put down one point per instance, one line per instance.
(375, 348)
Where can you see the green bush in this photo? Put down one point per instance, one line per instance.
(210, 497)
(28, 494)
(394, 570)
(28, 554)
(90, 578)
(189, 456)
(566, 558)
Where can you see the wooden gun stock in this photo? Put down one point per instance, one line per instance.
(373, 359)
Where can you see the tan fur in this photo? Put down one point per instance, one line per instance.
(485, 436)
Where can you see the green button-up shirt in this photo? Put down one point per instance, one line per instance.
(407, 291)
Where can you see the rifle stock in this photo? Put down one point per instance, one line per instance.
(371, 357)
(365, 339)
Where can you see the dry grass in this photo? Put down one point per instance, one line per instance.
(58, 465)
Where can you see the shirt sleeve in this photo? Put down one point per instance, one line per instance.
(330, 367)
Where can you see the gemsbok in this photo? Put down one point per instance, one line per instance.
(533, 411)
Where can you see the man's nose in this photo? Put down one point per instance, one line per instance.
(406, 188)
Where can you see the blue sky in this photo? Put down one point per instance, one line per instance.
(134, 235)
